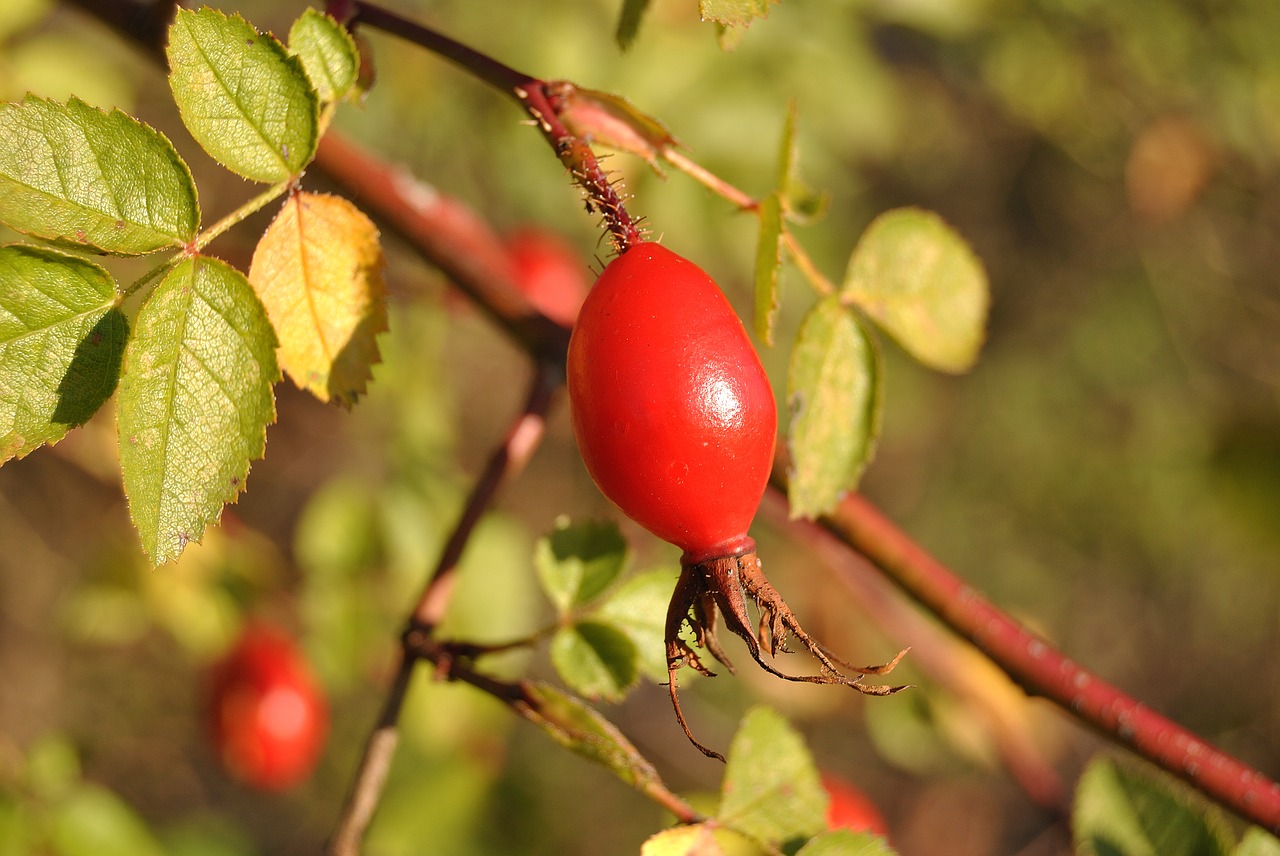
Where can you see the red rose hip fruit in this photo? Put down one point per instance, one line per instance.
(671, 408)
(676, 423)
(267, 715)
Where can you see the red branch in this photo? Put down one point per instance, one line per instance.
(1043, 670)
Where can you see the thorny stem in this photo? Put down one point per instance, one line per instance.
(861, 527)
(253, 206)
(537, 97)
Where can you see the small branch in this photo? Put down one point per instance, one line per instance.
(746, 202)
(508, 459)
(522, 438)
(253, 206)
(537, 97)
(1042, 670)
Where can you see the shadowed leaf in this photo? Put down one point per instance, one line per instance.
(833, 393)
(62, 337)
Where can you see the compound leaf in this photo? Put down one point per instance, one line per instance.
(74, 174)
(62, 337)
(919, 280)
(243, 97)
(195, 400)
(318, 271)
(833, 393)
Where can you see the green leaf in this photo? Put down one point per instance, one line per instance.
(328, 54)
(1122, 811)
(76, 175)
(734, 13)
(833, 391)
(842, 842)
(629, 22)
(578, 561)
(53, 768)
(96, 822)
(580, 728)
(638, 607)
(699, 839)
(61, 341)
(195, 400)
(595, 659)
(768, 262)
(243, 97)
(771, 788)
(1258, 842)
(922, 283)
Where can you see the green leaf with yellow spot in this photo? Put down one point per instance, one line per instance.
(78, 176)
(194, 403)
(244, 98)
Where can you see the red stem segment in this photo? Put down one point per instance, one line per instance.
(1042, 670)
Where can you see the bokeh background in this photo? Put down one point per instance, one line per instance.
(1109, 472)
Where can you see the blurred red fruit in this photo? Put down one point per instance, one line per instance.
(549, 272)
(267, 715)
(851, 809)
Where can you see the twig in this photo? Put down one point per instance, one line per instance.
(533, 94)
(508, 459)
(1043, 670)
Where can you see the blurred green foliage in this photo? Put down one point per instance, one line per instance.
(1109, 470)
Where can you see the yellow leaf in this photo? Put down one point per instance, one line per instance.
(318, 271)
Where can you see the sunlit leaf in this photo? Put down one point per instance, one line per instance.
(768, 263)
(318, 271)
(833, 391)
(244, 98)
(62, 337)
(96, 822)
(842, 842)
(771, 789)
(580, 728)
(629, 22)
(578, 561)
(328, 54)
(734, 13)
(1258, 842)
(195, 400)
(595, 659)
(922, 283)
(1119, 809)
(638, 607)
(699, 839)
(76, 175)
